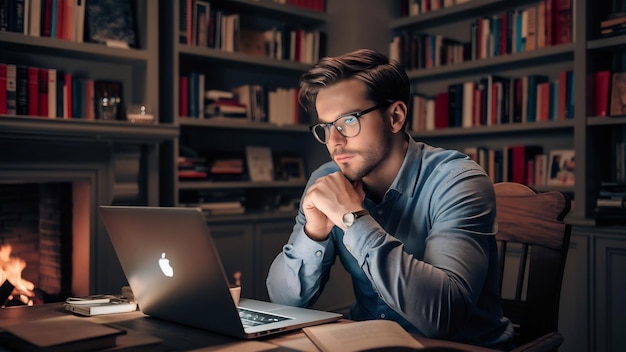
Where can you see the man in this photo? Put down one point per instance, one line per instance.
(414, 225)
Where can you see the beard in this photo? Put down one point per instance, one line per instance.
(372, 159)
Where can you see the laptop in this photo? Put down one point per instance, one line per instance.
(176, 274)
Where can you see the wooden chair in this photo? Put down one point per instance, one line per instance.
(533, 242)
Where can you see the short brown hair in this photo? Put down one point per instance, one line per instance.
(386, 79)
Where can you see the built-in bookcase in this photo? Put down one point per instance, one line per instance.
(266, 47)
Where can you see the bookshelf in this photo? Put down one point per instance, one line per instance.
(589, 320)
(225, 69)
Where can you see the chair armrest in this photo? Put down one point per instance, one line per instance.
(548, 342)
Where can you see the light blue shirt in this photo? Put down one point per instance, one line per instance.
(426, 257)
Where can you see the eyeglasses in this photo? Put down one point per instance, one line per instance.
(348, 125)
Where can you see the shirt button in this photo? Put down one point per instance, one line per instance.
(382, 316)
(381, 212)
(318, 253)
(348, 248)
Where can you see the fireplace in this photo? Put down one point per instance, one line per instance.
(40, 226)
(49, 194)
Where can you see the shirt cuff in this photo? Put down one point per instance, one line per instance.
(307, 249)
(361, 236)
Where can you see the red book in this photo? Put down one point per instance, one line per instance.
(519, 156)
(33, 91)
(42, 90)
(549, 22)
(3, 88)
(46, 18)
(601, 82)
(563, 22)
(67, 96)
(60, 19)
(441, 110)
(183, 96)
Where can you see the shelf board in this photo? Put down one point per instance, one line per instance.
(240, 58)
(235, 123)
(78, 129)
(456, 13)
(206, 185)
(606, 120)
(512, 128)
(86, 51)
(273, 9)
(607, 43)
(564, 52)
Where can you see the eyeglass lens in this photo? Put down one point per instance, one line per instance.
(348, 126)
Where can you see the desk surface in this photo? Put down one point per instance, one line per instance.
(176, 337)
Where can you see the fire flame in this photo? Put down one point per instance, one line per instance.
(11, 268)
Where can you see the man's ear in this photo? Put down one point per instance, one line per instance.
(398, 115)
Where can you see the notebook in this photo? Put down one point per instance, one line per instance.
(174, 270)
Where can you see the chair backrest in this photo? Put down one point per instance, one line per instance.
(533, 241)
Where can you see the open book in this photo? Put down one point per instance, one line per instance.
(369, 335)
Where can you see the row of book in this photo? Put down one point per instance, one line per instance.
(47, 92)
(526, 164)
(611, 204)
(495, 100)
(416, 7)
(516, 30)
(315, 5)
(202, 25)
(615, 22)
(609, 93)
(72, 20)
(251, 102)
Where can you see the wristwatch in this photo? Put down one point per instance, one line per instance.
(349, 218)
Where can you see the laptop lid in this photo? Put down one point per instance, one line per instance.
(175, 272)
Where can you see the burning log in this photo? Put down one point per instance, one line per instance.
(11, 268)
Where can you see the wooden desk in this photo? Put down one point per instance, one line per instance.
(176, 337)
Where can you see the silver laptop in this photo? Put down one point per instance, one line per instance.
(175, 273)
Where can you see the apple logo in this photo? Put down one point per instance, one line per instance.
(165, 266)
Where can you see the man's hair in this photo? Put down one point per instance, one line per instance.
(386, 80)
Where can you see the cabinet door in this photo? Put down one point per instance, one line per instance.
(609, 295)
(235, 246)
(574, 306)
(271, 237)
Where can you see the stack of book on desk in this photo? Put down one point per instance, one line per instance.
(611, 204)
(98, 305)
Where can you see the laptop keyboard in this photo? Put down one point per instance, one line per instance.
(254, 318)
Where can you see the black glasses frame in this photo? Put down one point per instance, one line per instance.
(356, 115)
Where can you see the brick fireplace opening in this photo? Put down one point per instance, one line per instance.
(43, 223)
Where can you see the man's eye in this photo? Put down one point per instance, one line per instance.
(350, 120)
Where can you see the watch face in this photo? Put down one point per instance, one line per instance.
(348, 219)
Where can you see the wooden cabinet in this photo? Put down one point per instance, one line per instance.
(591, 311)
(250, 246)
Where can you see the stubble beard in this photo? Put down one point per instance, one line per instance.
(372, 159)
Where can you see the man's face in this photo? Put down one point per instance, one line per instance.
(359, 155)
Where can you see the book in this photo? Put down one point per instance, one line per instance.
(99, 308)
(618, 94)
(110, 22)
(67, 334)
(361, 336)
(3, 88)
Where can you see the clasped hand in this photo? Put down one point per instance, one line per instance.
(327, 200)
